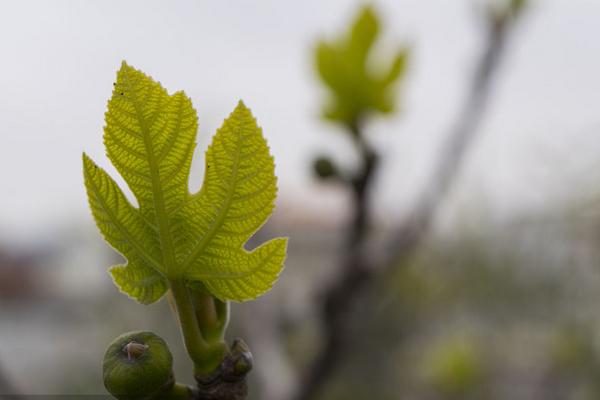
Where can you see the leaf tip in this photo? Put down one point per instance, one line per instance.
(241, 106)
(241, 111)
(88, 164)
(124, 64)
(125, 72)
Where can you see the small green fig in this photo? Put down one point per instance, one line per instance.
(138, 365)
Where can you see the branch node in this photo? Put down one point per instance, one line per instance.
(228, 381)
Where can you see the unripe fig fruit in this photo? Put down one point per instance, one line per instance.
(137, 365)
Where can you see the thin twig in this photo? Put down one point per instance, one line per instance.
(356, 271)
(411, 233)
(7, 389)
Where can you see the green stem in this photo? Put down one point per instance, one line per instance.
(222, 308)
(206, 312)
(212, 315)
(206, 357)
(195, 344)
(177, 392)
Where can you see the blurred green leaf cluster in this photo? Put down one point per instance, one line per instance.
(455, 368)
(357, 87)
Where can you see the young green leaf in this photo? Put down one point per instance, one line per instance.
(357, 89)
(174, 235)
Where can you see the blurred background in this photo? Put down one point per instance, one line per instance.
(478, 283)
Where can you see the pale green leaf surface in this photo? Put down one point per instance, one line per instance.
(237, 197)
(124, 228)
(150, 138)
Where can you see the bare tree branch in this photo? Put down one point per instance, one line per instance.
(354, 273)
(357, 271)
(7, 389)
(410, 234)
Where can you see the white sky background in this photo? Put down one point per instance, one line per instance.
(58, 60)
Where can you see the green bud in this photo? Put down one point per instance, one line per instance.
(324, 168)
(137, 365)
(242, 358)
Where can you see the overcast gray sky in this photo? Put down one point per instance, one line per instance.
(59, 60)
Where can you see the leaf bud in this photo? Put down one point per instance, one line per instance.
(324, 168)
